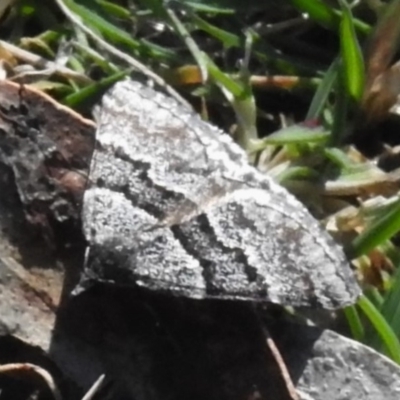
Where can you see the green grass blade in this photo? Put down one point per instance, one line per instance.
(318, 11)
(180, 29)
(295, 173)
(327, 16)
(340, 111)
(324, 88)
(378, 232)
(228, 39)
(98, 23)
(207, 8)
(295, 134)
(339, 158)
(116, 35)
(375, 296)
(390, 308)
(353, 63)
(355, 324)
(89, 92)
(237, 89)
(385, 332)
(114, 9)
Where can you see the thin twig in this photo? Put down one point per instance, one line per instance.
(190, 43)
(137, 65)
(41, 62)
(291, 388)
(94, 389)
(281, 365)
(263, 29)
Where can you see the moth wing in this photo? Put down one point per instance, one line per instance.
(191, 186)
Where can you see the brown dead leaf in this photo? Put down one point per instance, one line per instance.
(383, 94)
(46, 148)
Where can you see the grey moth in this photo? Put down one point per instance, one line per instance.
(174, 206)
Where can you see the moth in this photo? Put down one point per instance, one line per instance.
(174, 206)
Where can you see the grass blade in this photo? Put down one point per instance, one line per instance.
(390, 308)
(91, 91)
(295, 134)
(353, 63)
(355, 324)
(382, 327)
(318, 11)
(321, 95)
(378, 232)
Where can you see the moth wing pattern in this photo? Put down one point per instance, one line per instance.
(174, 206)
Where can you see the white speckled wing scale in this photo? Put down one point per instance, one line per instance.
(174, 206)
